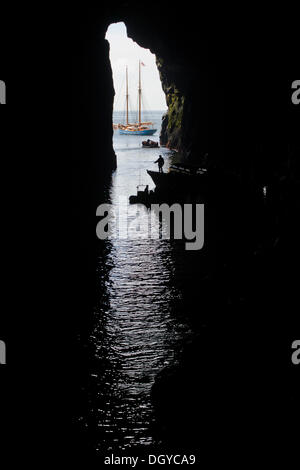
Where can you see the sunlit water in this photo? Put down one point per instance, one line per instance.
(137, 327)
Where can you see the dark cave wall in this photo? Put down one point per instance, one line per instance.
(93, 157)
(93, 95)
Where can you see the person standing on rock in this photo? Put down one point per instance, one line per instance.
(161, 163)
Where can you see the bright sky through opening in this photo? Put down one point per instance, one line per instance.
(125, 52)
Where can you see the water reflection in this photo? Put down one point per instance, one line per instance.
(140, 337)
(138, 325)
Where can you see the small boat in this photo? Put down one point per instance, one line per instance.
(139, 128)
(142, 196)
(150, 144)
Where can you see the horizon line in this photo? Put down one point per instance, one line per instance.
(136, 110)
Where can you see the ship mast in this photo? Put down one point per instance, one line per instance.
(127, 95)
(140, 92)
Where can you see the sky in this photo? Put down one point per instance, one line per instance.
(124, 51)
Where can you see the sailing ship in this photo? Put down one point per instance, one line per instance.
(139, 128)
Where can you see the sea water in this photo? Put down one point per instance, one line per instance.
(139, 322)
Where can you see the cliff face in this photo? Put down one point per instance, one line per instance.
(173, 121)
(182, 125)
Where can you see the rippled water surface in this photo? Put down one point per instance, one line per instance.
(137, 326)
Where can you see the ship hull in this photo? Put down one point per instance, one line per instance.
(177, 183)
(142, 132)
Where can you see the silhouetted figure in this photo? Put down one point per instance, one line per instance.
(161, 163)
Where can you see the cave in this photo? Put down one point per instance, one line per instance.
(213, 91)
(229, 76)
(221, 90)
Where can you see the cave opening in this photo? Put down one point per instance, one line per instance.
(139, 107)
(138, 95)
